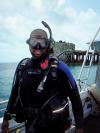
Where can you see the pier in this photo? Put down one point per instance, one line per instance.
(77, 57)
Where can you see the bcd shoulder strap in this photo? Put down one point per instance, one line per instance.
(53, 67)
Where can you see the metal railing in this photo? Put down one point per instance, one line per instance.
(84, 81)
(17, 127)
(4, 102)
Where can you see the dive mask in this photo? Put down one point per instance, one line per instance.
(38, 43)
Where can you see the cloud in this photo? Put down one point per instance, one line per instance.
(63, 8)
(61, 3)
(38, 6)
(19, 18)
(77, 27)
(16, 25)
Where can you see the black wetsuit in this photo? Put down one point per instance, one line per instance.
(31, 98)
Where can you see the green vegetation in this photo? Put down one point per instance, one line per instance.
(63, 46)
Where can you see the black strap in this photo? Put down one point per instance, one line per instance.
(41, 85)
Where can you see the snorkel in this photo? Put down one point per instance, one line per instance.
(49, 29)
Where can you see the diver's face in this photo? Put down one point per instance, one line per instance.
(38, 53)
(38, 47)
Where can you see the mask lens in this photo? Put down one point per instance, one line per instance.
(34, 42)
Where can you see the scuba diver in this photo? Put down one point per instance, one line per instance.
(41, 87)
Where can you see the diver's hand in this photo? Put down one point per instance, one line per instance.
(79, 131)
(5, 126)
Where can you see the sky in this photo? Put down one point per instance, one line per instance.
(74, 21)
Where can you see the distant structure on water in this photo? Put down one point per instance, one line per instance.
(66, 52)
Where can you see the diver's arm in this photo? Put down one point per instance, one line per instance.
(9, 109)
(13, 96)
(76, 106)
(5, 126)
(70, 89)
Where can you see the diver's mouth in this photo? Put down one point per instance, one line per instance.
(37, 52)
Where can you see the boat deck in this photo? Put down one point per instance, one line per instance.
(92, 124)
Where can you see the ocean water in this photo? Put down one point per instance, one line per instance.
(7, 71)
(6, 77)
